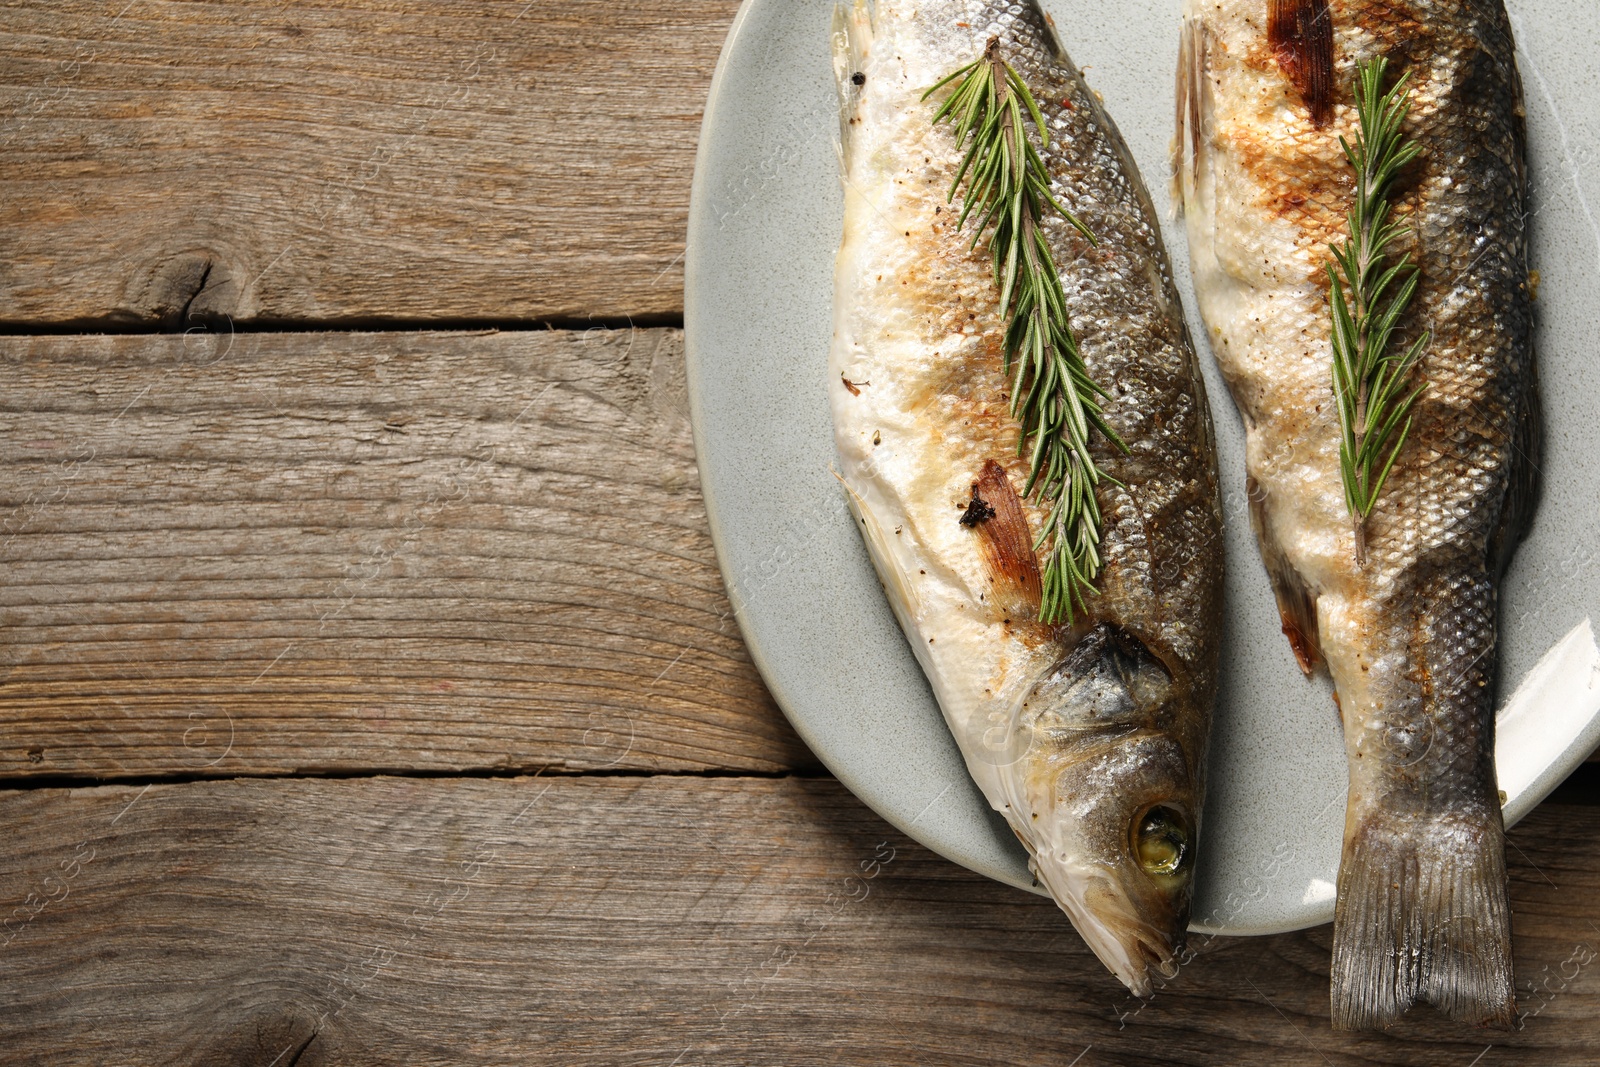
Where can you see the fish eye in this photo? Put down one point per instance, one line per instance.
(1161, 841)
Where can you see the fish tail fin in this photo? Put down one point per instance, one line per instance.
(1422, 915)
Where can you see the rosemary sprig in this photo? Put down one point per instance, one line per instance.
(1369, 380)
(1052, 395)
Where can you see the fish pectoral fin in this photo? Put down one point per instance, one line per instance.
(1000, 527)
(881, 547)
(1300, 33)
(1297, 609)
(1297, 603)
(1522, 491)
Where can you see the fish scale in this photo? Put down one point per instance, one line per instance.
(1088, 738)
(1409, 637)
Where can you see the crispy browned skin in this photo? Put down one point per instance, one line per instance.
(1410, 636)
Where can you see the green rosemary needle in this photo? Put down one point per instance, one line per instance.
(1366, 298)
(1052, 395)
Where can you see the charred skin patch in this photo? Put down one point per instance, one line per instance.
(979, 510)
(1300, 176)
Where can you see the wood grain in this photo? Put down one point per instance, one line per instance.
(348, 162)
(660, 920)
(272, 553)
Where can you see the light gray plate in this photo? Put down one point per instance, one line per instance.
(763, 226)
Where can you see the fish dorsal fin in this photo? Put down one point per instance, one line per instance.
(1000, 526)
(1193, 97)
(1301, 35)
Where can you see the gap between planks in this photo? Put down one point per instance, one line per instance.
(222, 325)
(589, 920)
(361, 163)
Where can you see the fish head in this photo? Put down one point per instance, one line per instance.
(1113, 782)
(1122, 860)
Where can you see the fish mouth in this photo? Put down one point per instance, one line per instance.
(1134, 953)
(1130, 947)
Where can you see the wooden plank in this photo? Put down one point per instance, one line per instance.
(348, 162)
(596, 920)
(270, 553)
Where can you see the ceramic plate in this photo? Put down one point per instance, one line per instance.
(764, 223)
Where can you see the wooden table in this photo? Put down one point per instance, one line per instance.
(369, 693)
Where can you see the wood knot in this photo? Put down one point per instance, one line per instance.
(195, 287)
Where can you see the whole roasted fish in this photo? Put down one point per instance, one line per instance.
(1401, 606)
(1088, 735)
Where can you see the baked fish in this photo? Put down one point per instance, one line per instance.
(1086, 732)
(1399, 604)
